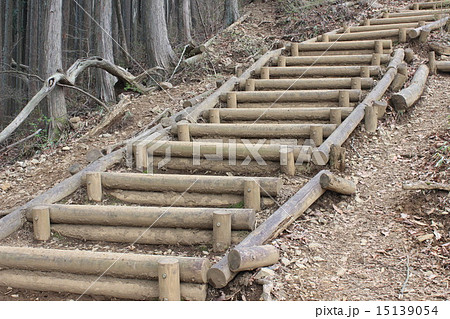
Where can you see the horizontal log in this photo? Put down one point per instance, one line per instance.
(331, 60)
(429, 5)
(257, 130)
(443, 66)
(142, 235)
(365, 35)
(132, 289)
(294, 96)
(408, 96)
(182, 200)
(379, 27)
(311, 84)
(249, 258)
(168, 217)
(342, 45)
(430, 17)
(138, 266)
(222, 150)
(292, 105)
(426, 186)
(187, 183)
(220, 274)
(342, 52)
(333, 71)
(414, 33)
(337, 184)
(339, 136)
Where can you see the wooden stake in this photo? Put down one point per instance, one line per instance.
(282, 61)
(356, 83)
(403, 69)
(221, 231)
(344, 99)
(231, 100)
(376, 59)
(337, 184)
(252, 195)
(409, 55)
(325, 38)
(41, 222)
(370, 119)
(432, 62)
(316, 134)
(380, 108)
(169, 279)
(378, 46)
(183, 131)
(366, 22)
(294, 49)
(287, 161)
(250, 85)
(424, 36)
(265, 73)
(214, 116)
(94, 186)
(337, 158)
(365, 72)
(249, 258)
(335, 116)
(402, 35)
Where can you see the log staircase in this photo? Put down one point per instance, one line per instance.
(210, 177)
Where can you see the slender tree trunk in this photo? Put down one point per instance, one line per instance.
(53, 61)
(33, 44)
(104, 43)
(121, 29)
(2, 78)
(187, 22)
(231, 12)
(159, 50)
(7, 51)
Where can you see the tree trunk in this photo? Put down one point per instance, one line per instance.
(7, 51)
(104, 43)
(231, 12)
(159, 50)
(121, 29)
(53, 61)
(187, 23)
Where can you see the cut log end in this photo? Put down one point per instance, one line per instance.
(217, 278)
(337, 184)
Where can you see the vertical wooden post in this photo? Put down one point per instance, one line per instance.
(409, 55)
(402, 35)
(379, 46)
(380, 108)
(365, 72)
(356, 83)
(169, 279)
(282, 61)
(385, 15)
(335, 116)
(432, 62)
(287, 161)
(423, 37)
(183, 131)
(294, 49)
(370, 119)
(94, 186)
(346, 28)
(416, 6)
(221, 231)
(232, 100)
(325, 38)
(337, 157)
(252, 195)
(265, 73)
(250, 85)
(41, 222)
(402, 69)
(238, 70)
(376, 59)
(344, 99)
(316, 134)
(141, 152)
(214, 116)
(366, 21)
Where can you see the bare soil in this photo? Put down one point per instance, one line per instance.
(344, 248)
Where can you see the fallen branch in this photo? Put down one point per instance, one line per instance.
(408, 96)
(76, 88)
(21, 141)
(426, 186)
(112, 116)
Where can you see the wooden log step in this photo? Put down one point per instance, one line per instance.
(241, 114)
(379, 27)
(329, 60)
(292, 96)
(188, 183)
(143, 235)
(309, 83)
(223, 150)
(408, 96)
(430, 17)
(366, 35)
(330, 71)
(184, 199)
(417, 13)
(132, 289)
(168, 217)
(341, 52)
(286, 105)
(429, 5)
(258, 130)
(138, 266)
(443, 66)
(250, 258)
(343, 45)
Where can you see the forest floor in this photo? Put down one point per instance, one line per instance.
(344, 248)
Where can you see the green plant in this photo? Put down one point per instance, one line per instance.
(129, 87)
(237, 205)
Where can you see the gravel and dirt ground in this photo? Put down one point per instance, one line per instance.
(344, 248)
